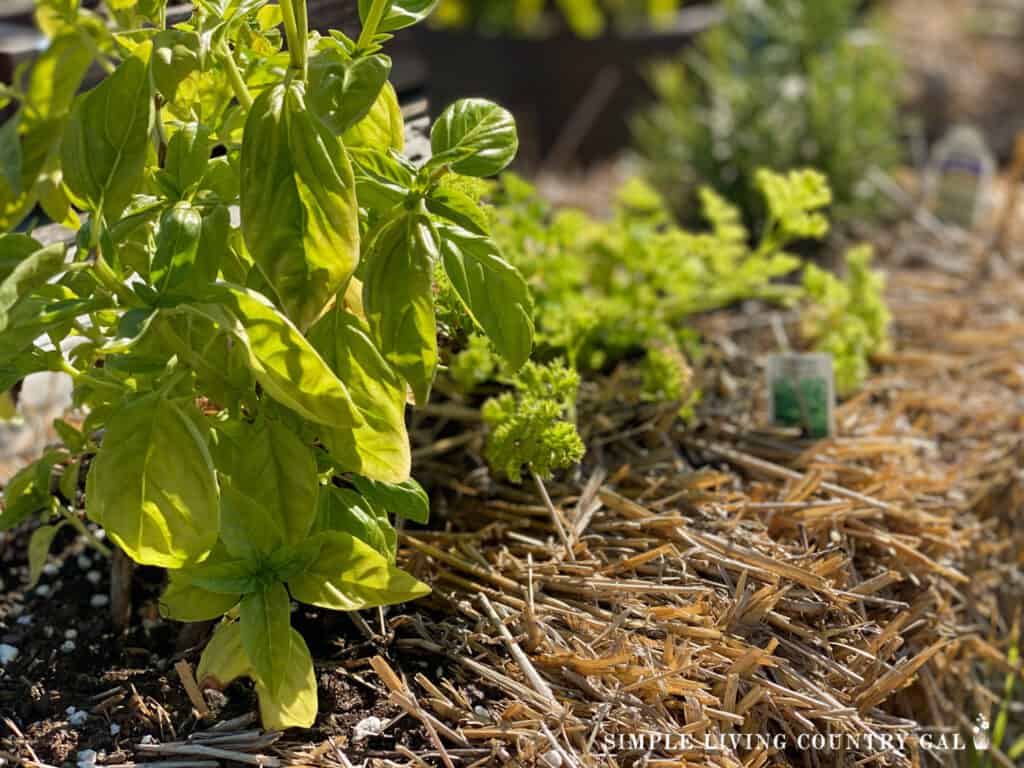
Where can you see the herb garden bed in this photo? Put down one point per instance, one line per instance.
(710, 577)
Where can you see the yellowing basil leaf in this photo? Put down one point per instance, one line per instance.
(300, 217)
(383, 126)
(479, 135)
(492, 290)
(152, 485)
(295, 703)
(350, 575)
(268, 487)
(266, 634)
(282, 360)
(379, 448)
(105, 145)
(406, 499)
(342, 509)
(400, 13)
(39, 550)
(223, 660)
(399, 302)
(183, 601)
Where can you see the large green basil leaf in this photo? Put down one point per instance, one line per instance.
(350, 575)
(177, 246)
(105, 144)
(266, 634)
(341, 509)
(32, 273)
(282, 360)
(152, 484)
(223, 660)
(493, 291)
(400, 13)
(183, 601)
(300, 217)
(295, 703)
(383, 127)
(268, 487)
(342, 92)
(479, 136)
(398, 299)
(380, 447)
(406, 499)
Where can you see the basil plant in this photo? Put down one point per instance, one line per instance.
(248, 306)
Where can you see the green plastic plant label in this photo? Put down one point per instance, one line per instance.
(801, 393)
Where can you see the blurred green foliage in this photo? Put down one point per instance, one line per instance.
(779, 84)
(537, 18)
(608, 292)
(847, 318)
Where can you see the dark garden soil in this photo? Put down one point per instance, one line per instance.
(713, 578)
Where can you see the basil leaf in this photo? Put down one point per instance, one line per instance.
(177, 246)
(493, 291)
(57, 75)
(222, 574)
(183, 601)
(479, 134)
(295, 703)
(350, 575)
(32, 273)
(458, 208)
(300, 217)
(400, 14)
(266, 634)
(223, 660)
(383, 127)
(104, 149)
(28, 492)
(284, 363)
(343, 92)
(10, 153)
(152, 486)
(14, 249)
(380, 447)
(188, 155)
(39, 550)
(399, 302)
(406, 499)
(341, 509)
(268, 487)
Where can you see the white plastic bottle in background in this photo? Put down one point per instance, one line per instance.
(958, 183)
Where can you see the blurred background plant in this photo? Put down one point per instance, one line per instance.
(779, 84)
(538, 18)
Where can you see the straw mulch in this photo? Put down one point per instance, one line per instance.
(727, 579)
